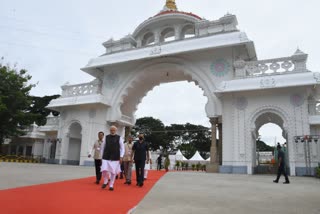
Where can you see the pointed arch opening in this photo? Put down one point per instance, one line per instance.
(188, 31)
(148, 39)
(167, 35)
(269, 131)
(74, 144)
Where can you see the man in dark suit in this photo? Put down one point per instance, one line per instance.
(140, 155)
(282, 166)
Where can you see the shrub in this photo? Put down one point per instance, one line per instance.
(167, 163)
(193, 167)
(318, 172)
(198, 166)
(178, 164)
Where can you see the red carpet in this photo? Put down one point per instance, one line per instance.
(79, 196)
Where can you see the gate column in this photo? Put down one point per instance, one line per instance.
(213, 166)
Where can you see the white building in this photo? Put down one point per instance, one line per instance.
(243, 92)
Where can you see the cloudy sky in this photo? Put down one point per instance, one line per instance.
(53, 39)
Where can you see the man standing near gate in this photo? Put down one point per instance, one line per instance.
(140, 155)
(127, 161)
(96, 150)
(282, 166)
(112, 154)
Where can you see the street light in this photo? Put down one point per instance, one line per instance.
(306, 140)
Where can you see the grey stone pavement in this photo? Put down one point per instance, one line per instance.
(203, 193)
(191, 192)
(25, 174)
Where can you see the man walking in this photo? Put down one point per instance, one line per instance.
(96, 150)
(127, 160)
(282, 166)
(112, 154)
(140, 152)
(159, 162)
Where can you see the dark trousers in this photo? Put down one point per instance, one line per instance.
(159, 166)
(282, 170)
(97, 164)
(140, 170)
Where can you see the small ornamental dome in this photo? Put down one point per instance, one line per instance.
(170, 5)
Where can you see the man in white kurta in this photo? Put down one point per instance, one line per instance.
(112, 151)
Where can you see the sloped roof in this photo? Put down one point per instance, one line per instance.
(196, 157)
(179, 156)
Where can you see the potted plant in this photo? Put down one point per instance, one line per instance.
(198, 166)
(182, 165)
(167, 163)
(318, 171)
(193, 166)
(178, 164)
(186, 165)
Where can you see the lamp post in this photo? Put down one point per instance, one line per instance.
(306, 140)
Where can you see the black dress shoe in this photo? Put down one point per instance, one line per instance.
(97, 182)
(104, 186)
(286, 182)
(129, 182)
(111, 188)
(141, 184)
(137, 184)
(275, 181)
(125, 182)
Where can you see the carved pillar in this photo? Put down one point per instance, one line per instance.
(213, 166)
(239, 66)
(220, 143)
(299, 60)
(157, 36)
(213, 148)
(177, 32)
(127, 132)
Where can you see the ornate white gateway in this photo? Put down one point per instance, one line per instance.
(243, 93)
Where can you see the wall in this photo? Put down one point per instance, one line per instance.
(241, 110)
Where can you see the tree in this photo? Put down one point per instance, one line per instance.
(195, 138)
(14, 102)
(187, 137)
(154, 132)
(200, 138)
(38, 107)
(263, 147)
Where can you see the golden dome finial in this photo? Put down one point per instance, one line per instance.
(171, 5)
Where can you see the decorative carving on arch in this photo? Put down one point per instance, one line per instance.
(70, 123)
(167, 33)
(273, 110)
(188, 31)
(297, 100)
(191, 73)
(148, 39)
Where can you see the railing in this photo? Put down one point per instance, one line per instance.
(295, 63)
(93, 87)
(53, 121)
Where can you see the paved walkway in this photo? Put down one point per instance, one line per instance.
(25, 174)
(191, 192)
(201, 193)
